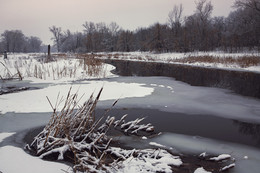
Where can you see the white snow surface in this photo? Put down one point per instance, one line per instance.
(15, 160)
(5, 135)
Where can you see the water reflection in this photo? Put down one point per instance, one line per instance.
(249, 129)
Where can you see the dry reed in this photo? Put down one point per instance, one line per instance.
(74, 134)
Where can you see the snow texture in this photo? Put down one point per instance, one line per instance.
(152, 161)
(15, 160)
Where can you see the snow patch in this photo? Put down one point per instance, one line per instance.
(144, 137)
(221, 157)
(228, 167)
(157, 145)
(201, 170)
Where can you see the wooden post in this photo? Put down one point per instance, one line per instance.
(5, 55)
(49, 50)
(49, 53)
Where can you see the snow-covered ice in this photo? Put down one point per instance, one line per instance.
(35, 100)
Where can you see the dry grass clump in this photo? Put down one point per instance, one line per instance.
(92, 65)
(74, 134)
(245, 61)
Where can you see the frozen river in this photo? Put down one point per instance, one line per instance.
(192, 119)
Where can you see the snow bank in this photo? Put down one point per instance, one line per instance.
(15, 160)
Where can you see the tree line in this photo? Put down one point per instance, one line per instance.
(16, 41)
(200, 31)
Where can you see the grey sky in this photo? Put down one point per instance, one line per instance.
(34, 17)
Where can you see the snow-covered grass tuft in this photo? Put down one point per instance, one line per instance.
(74, 134)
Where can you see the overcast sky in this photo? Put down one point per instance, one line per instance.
(34, 17)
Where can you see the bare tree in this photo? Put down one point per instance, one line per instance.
(175, 21)
(57, 34)
(175, 17)
(89, 27)
(252, 4)
(113, 28)
(203, 12)
(34, 44)
(14, 41)
(125, 41)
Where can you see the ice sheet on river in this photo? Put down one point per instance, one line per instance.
(175, 96)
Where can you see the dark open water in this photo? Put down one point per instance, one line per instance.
(207, 126)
